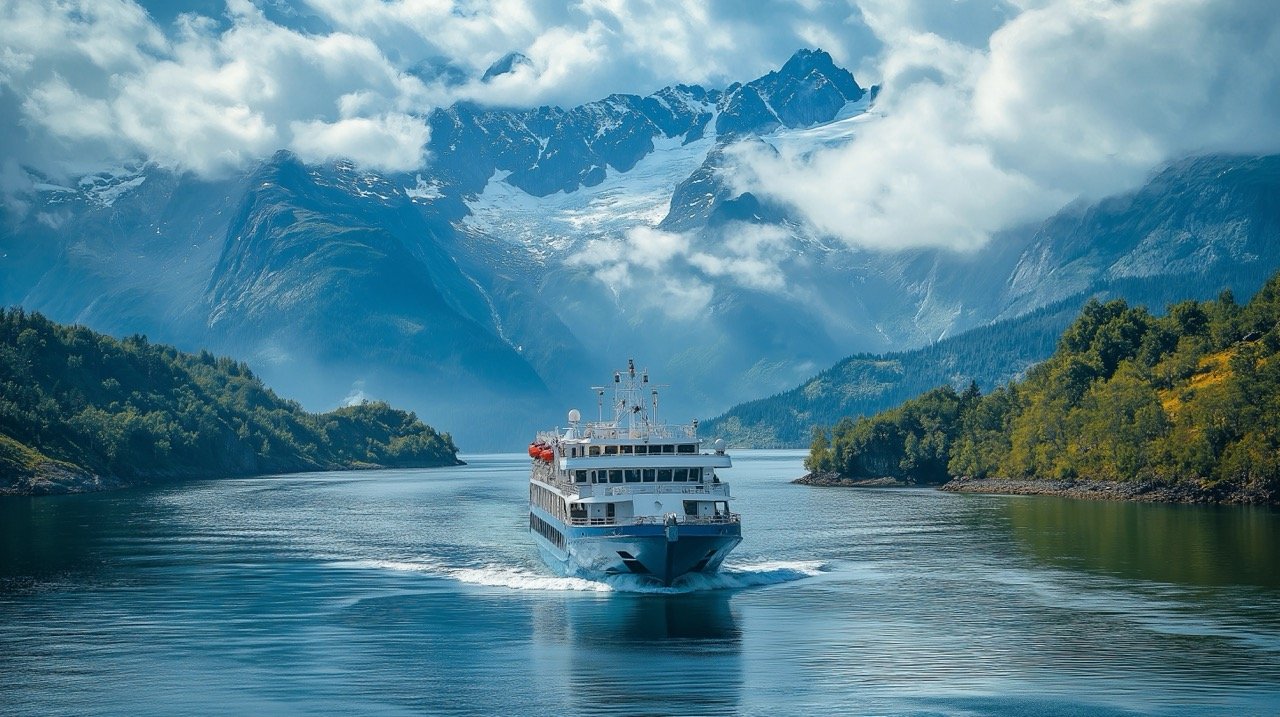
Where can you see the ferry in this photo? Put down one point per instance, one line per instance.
(629, 495)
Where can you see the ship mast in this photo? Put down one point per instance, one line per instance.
(630, 404)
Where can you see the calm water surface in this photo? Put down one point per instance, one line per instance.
(419, 592)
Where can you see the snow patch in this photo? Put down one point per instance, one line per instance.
(423, 190)
(108, 195)
(801, 143)
(561, 221)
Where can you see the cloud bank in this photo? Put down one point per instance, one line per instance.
(994, 112)
(85, 83)
(675, 268)
(99, 82)
(1066, 98)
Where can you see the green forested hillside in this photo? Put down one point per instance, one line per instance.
(864, 384)
(75, 403)
(1190, 398)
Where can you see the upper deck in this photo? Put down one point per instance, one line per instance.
(632, 453)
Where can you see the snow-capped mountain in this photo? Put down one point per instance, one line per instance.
(539, 248)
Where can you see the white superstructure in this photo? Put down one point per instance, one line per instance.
(630, 494)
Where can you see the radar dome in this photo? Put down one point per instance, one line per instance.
(574, 415)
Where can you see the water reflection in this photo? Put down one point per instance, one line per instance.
(1187, 544)
(57, 537)
(643, 653)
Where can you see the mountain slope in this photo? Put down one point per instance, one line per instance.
(1198, 227)
(864, 384)
(80, 410)
(1180, 407)
(540, 247)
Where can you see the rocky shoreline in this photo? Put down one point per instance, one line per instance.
(835, 480)
(1139, 491)
(57, 478)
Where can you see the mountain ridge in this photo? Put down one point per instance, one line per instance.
(542, 246)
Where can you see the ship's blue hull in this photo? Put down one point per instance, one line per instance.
(658, 552)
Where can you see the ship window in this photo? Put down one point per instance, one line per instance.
(580, 476)
(642, 450)
(682, 474)
(664, 475)
(695, 474)
(595, 450)
(611, 450)
(687, 448)
(608, 510)
(625, 450)
(649, 474)
(691, 507)
(615, 476)
(668, 448)
(633, 475)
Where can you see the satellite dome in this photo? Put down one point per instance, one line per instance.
(574, 415)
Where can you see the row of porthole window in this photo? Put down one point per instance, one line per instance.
(639, 475)
(545, 529)
(548, 501)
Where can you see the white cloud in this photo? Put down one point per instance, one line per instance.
(391, 141)
(585, 50)
(95, 82)
(747, 254)
(994, 111)
(210, 98)
(665, 270)
(1067, 98)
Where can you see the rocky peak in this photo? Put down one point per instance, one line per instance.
(807, 65)
(809, 89)
(506, 64)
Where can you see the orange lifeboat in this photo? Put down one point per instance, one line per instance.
(547, 454)
(534, 450)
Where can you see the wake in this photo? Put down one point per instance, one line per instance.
(730, 577)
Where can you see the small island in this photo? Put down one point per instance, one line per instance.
(82, 411)
(1131, 406)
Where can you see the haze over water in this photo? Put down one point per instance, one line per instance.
(420, 592)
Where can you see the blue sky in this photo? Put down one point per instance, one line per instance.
(993, 112)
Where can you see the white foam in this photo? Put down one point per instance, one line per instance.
(731, 577)
(500, 576)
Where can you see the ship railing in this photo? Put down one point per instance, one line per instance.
(560, 482)
(664, 488)
(613, 431)
(718, 519)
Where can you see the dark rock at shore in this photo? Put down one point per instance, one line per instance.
(835, 480)
(1142, 491)
(56, 478)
